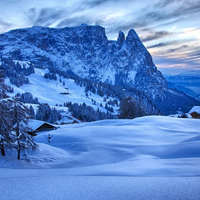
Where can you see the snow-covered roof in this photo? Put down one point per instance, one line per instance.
(195, 109)
(34, 124)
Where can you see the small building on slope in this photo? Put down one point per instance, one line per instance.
(195, 112)
(38, 126)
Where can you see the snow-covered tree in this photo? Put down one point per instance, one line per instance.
(23, 140)
(31, 112)
(17, 73)
(13, 116)
(87, 113)
(48, 114)
(5, 115)
(26, 97)
(6, 139)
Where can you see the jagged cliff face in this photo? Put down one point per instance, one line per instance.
(86, 51)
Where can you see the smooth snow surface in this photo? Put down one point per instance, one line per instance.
(145, 158)
(100, 188)
(146, 146)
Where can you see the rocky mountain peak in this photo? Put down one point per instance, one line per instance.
(132, 34)
(121, 38)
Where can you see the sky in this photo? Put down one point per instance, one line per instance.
(169, 29)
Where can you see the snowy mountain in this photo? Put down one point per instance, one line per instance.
(84, 51)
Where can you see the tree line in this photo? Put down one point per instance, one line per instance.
(16, 73)
(44, 111)
(106, 90)
(87, 113)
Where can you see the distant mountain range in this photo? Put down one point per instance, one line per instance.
(189, 79)
(188, 82)
(85, 52)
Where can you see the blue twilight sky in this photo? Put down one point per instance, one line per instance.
(170, 29)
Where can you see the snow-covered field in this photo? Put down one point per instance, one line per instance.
(145, 158)
(100, 188)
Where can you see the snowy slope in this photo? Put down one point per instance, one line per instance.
(49, 91)
(147, 146)
(97, 161)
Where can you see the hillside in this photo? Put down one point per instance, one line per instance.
(57, 95)
(53, 92)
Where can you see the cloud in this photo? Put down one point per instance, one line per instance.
(167, 12)
(181, 52)
(165, 3)
(4, 25)
(116, 27)
(31, 14)
(171, 43)
(162, 44)
(155, 35)
(176, 49)
(48, 16)
(186, 57)
(192, 57)
(96, 3)
(175, 64)
(74, 21)
(71, 14)
(188, 7)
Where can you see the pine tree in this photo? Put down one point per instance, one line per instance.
(45, 113)
(5, 121)
(31, 112)
(3, 86)
(130, 108)
(23, 140)
(6, 139)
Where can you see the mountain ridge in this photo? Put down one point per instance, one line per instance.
(115, 62)
(85, 51)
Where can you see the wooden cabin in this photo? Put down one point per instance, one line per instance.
(39, 126)
(195, 112)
